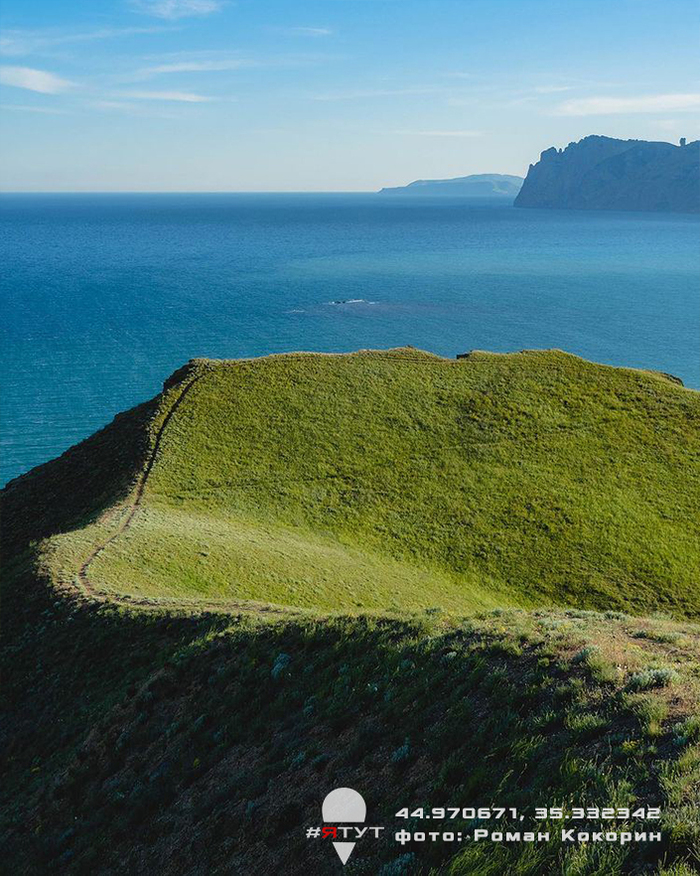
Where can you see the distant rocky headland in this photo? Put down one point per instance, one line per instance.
(478, 185)
(602, 173)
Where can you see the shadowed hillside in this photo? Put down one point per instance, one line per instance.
(413, 576)
(169, 744)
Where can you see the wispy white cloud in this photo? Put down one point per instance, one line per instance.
(174, 9)
(551, 89)
(667, 124)
(195, 67)
(44, 110)
(359, 94)
(605, 106)
(34, 80)
(530, 97)
(112, 105)
(29, 42)
(467, 134)
(180, 96)
(140, 110)
(213, 59)
(305, 31)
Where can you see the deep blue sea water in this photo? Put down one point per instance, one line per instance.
(103, 296)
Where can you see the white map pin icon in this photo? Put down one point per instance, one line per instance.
(344, 804)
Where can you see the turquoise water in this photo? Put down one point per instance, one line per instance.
(103, 296)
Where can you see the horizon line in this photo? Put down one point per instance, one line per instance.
(209, 192)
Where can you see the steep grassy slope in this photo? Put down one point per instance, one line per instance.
(290, 489)
(204, 745)
(402, 480)
(78, 487)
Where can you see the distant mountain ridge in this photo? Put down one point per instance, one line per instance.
(603, 173)
(477, 185)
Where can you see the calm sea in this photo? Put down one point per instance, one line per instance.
(103, 296)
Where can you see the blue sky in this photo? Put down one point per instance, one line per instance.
(329, 95)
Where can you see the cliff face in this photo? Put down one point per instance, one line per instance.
(601, 173)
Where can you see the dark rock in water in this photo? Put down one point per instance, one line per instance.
(601, 173)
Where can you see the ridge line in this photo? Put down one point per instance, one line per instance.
(140, 488)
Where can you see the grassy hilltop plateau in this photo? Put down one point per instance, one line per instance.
(470, 582)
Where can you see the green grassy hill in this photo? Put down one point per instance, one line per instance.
(423, 578)
(144, 742)
(396, 480)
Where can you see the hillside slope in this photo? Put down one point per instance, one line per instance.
(204, 745)
(394, 480)
(602, 173)
(303, 572)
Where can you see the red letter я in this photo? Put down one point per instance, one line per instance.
(332, 832)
